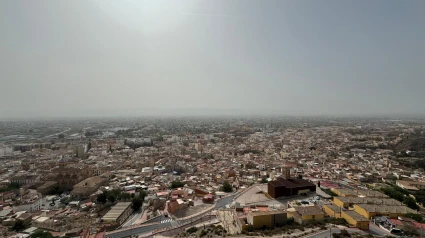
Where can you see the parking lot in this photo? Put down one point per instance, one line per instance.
(255, 194)
(258, 195)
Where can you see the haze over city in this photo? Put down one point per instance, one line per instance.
(135, 58)
(212, 118)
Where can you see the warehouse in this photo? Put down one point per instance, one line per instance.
(119, 213)
(356, 220)
(289, 187)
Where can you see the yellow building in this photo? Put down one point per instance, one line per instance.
(332, 210)
(304, 215)
(268, 219)
(370, 211)
(343, 192)
(355, 219)
(371, 194)
(347, 202)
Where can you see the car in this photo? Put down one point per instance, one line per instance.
(165, 214)
(317, 198)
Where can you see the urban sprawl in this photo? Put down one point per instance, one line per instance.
(212, 177)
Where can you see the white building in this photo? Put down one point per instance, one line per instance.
(5, 150)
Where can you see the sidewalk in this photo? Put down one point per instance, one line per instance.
(214, 221)
(143, 218)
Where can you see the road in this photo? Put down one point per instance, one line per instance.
(375, 230)
(134, 217)
(57, 133)
(146, 229)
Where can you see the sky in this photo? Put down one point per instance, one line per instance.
(134, 57)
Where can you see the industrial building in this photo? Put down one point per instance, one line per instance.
(355, 219)
(369, 211)
(289, 187)
(347, 202)
(303, 215)
(266, 219)
(118, 213)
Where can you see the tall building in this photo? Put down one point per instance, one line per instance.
(286, 171)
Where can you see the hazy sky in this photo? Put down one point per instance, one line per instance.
(78, 58)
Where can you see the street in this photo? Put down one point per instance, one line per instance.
(375, 230)
(146, 229)
(133, 218)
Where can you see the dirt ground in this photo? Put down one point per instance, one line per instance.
(192, 210)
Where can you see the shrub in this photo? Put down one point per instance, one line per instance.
(250, 228)
(192, 230)
(203, 233)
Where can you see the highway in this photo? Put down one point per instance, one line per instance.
(56, 134)
(149, 228)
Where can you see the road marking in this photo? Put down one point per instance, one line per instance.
(166, 221)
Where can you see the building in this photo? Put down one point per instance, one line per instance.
(5, 150)
(46, 187)
(209, 198)
(405, 224)
(289, 187)
(332, 210)
(355, 219)
(347, 202)
(266, 219)
(343, 192)
(37, 204)
(198, 147)
(371, 194)
(369, 211)
(88, 186)
(303, 215)
(410, 185)
(79, 151)
(118, 213)
(261, 166)
(25, 179)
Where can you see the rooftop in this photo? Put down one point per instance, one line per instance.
(355, 216)
(311, 210)
(290, 183)
(116, 211)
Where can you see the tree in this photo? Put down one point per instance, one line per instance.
(203, 233)
(410, 202)
(136, 203)
(416, 217)
(264, 180)
(124, 196)
(41, 234)
(192, 230)
(61, 136)
(227, 187)
(112, 198)
(101, 198)
(177, 184)
(18, 226)
(142, 194)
